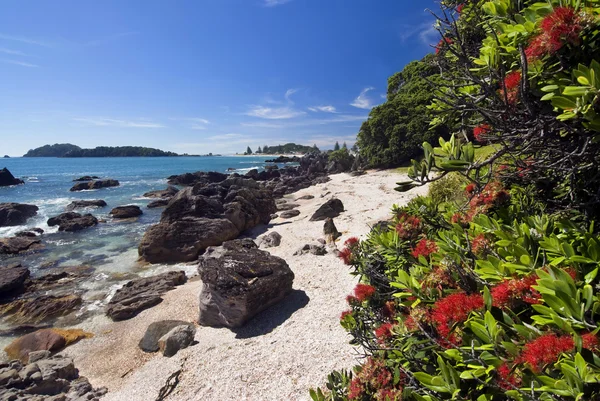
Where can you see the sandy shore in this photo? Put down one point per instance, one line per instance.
(281, 353)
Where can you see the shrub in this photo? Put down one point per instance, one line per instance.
(451, 188)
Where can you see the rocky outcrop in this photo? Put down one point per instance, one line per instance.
(199, 177)
(270, 240)
(72, 221)
(156, 330)
(95, 184)
(18, 245)
(86, 178)
(332, 208)
(178, 338)
(126, 212)
(143, 293)
(16, 214)
(48, 378)
(51, 340)
(239, 281)
(284, 159)
(163, 193)
(12, 278)
(83, 204)
(203, 216)
(158, 203)
(7, 179)
(42, 308)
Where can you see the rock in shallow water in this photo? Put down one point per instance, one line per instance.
(12, 278)
(97, 184)
(39, 309)
(16, 245)
(71, 221)
(7, 179)
(16, 214)
(126, 212)
(82, 204)
(239, 281)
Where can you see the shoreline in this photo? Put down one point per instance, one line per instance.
(279, 354)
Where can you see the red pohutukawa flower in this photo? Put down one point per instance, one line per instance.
(442, 43)
(425, 247)
(345, 314)
(511, 83)
(408, 226)
(590, 341)
(352, 300)
(480, 131)
(507, 379)
(470, 188)
(346, 255)
(544, 350)
(384, 332)
(454, 308)
(507, 293)
(562, 26)
(364, 291)
(375, 381)
(480, 245)
(350, 242)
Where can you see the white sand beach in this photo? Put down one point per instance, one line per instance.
(278, 355)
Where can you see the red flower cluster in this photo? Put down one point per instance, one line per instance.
(439, 278)
(480, 245)
(442, 43)
(511, 83)
(560, 27)
(590, 341)
(384, 332)
(350, 242)
(506, 379)
(480, 131)
(375, 381)
(470, 188)
(389, 309)
(454, 308)
(408, 227)
(345, 313)
(493, 194)
(425, 247)
(363, 292)
(346, 255)
(544, 350)
(505, 294)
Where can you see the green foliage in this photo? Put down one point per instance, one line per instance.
(248, 151)
(119, 151)
(395, 130)
(343, 157)
(288, 148)
(336, 147)
(56, 150)
(449, 189)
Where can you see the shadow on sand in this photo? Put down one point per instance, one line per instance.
(267, 320)
(261, 229)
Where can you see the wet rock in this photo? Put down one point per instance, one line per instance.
(83, 204)
(178, 338)
(96, 184)
(288, 214)
(287, 206)
(126, 212)
(154, 332)
(16, 214)
(199, 177)
(39, 309)
(30, 234)
(306, 197)
(86, 178)
(239, 281)
(17, 245)
(12, 277)
(60, 278)
(72, 221)
(269, 240)
(143, 293)
(330, 231)
(7, 179)
(318, 250)
(163, 193)
(51, 340)
(158, 203)
(332, 208)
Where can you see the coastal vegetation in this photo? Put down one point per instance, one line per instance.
(69, 150)
(487, 289)
(56, 150)
(288, 148)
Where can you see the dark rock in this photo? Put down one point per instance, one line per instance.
(82, 204)
(16, 245)
(252, 174)
(274, 216)
(318, 250)
(330, 231)
(284, 159)
(287, 206)
(96, 184)
(143, 293)
(331, 208)
(7, 179)
(59, 278)
(358, 173)
(178, 338)
(158, 203)
(126, 212)
(86, 178)
(288, 214)
(12, 277)
(16, 214)
(71, 221)
(270, 240)
(30, 234)
(306, 197)
(163, 193)
(39, 309)
(199, 177)
(149, 343)
(239, 281)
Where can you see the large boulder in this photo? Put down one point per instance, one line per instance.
(16, 214)
(140, 294)
(96, 184)
(156, 330)
(19, 244)
(7, 179)
(86, 178)
(199, 177)
(178, 338)
(83, 204)
(158, 203)
(332, 208)
(51, 340)
(71, 221)
(126, 212)
(239, 281)
(12, 278)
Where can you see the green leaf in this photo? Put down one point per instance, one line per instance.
(563, 103)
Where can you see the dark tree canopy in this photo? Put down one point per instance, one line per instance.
(56, 150)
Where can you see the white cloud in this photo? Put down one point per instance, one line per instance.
(273, 3)
(25, 40)
(429, 35)
(277, 113)
(12, 52)
(109, 122)
(362, 101)
(21, 63)
(324, 109)
(289, 93)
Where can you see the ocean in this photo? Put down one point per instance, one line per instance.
(110, 247)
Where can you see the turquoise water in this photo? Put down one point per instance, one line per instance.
(110, 247)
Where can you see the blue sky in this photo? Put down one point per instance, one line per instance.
(199, 76)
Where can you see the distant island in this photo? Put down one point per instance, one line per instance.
(288, 148)
(70, 150)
